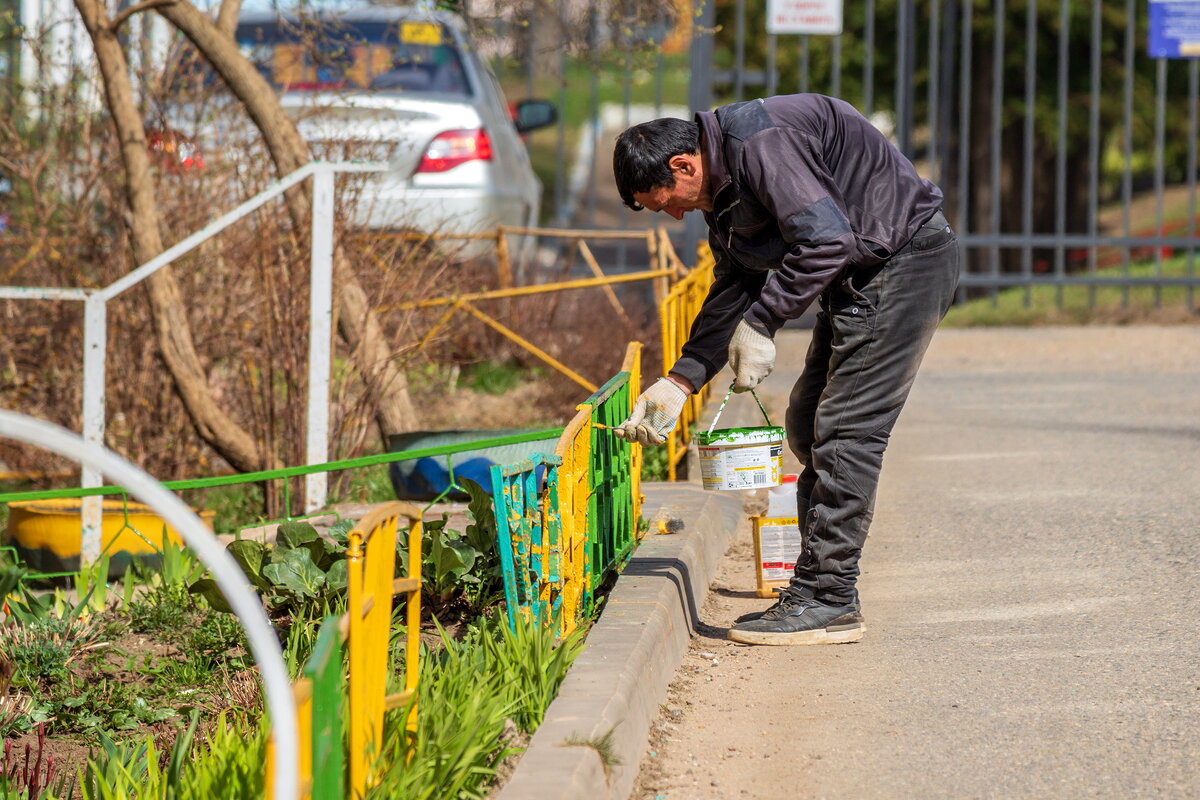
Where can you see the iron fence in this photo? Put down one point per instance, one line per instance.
(1068, 155)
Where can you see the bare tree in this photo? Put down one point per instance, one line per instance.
(170, 314)
(357, 322)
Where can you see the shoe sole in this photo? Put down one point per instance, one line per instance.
(837, 635)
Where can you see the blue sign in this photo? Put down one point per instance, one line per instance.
(1174, 29)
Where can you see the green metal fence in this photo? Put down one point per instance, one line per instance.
(569, 521)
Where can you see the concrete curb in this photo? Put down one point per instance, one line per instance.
(621, 678)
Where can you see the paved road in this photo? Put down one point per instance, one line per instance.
(1030, 587)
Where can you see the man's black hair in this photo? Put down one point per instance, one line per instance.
(642, 156)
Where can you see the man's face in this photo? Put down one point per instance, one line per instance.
(688, 194)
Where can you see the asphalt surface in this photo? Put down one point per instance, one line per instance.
(1030, 588)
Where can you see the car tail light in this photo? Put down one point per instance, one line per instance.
(173, 151)
(451, 148)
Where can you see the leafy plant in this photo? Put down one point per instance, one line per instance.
(229, 764)
(43, 647)
(301, 568)
(103, 705)
(465, 564)
(472, 690)
(654, 464)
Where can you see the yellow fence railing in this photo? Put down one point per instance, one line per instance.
(366, 626)
(664, 265)
(371, 564)
(676, 315)
(599, 498)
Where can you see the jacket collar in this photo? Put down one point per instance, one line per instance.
(712, 148)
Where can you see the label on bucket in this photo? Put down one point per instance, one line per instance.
(746, 466)
(779, 546)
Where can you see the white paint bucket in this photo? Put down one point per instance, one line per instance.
(734, 459)
(741, 458)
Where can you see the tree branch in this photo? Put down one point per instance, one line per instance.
(145, 5)
(227, 16)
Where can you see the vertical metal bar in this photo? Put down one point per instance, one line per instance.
(1060, 161)
(1027, 155)
(593, 109)
(320, 336)
(530, 56)
(1160, 114)
(739, 51)
(1193, 103)
(835, 80)
(948, 70)
(95, 339)
(699, 99)
(1127, 148)
(1094, 150)
(931, 115)
(997, 141)
(964, 134)
(903, 76)
(658, 77)
(772, 74)
(804, 63)
(869, 62)
(627, 102)
(560, 145)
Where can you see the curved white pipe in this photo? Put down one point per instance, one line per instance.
(237, 590)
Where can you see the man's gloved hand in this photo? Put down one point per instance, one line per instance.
(655, 413)
(752, 357)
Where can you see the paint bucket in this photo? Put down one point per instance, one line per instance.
(733, 459)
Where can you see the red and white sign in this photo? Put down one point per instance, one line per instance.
(804, 16)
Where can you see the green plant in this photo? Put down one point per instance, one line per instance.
(41, 648)
(102, 705)
(465, 564)
(654, 464)
(603, 745)
(301, 568)
(460, 730)
(470, 691)
(228, 765)
(532, 663)
(490, 377)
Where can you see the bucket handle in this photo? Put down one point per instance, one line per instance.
(726, 400)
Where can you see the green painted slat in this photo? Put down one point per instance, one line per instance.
(324, 669)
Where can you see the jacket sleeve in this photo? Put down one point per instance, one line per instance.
(732, 292)
(801, 194)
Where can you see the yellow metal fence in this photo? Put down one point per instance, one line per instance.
(372, 586)
(676, 315)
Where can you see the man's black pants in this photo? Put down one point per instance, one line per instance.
(872, 330)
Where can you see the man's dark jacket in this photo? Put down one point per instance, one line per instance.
(803, 186)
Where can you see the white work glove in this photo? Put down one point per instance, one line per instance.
(655, 413)
(751, 356)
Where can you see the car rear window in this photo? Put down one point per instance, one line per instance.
(332, 54)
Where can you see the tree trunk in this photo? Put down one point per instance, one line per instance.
(357, 322)
(170, 313)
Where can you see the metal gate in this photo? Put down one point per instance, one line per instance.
(1067, 154)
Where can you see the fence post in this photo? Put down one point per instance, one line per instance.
(95, 338)
(320, 335)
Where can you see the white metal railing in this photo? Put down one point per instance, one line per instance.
(95, 331)
(229, 577)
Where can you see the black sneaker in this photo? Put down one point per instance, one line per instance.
(780, 591)
(802, 620)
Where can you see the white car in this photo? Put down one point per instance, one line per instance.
(405, 86)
